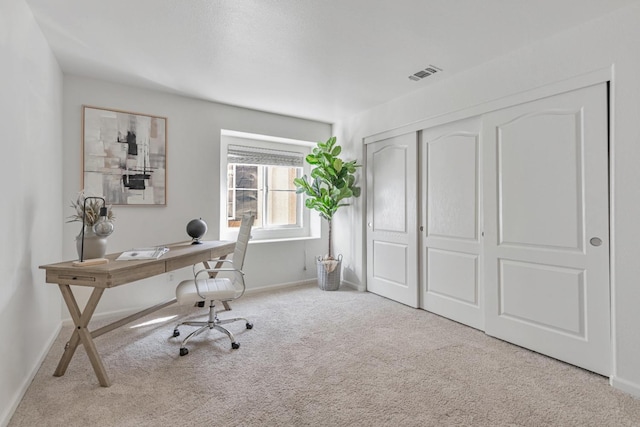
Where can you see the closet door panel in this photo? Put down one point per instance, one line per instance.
(450, 169)
(392, 230)
(546, 246)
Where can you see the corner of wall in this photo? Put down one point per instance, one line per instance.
(624, 385)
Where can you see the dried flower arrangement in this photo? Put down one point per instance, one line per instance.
(92, 213)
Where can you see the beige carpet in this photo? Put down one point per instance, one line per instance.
(318, 358)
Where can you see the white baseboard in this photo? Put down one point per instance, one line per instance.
(624, 385)
(279, 286)
(5, 417)
(267, 288)
(359, 288)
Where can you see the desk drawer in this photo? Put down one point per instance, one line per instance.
(71, 279)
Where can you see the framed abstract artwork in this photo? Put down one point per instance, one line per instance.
(124, 156)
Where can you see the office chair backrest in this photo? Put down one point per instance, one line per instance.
(244, 234)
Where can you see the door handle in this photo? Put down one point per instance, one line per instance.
(595, 241)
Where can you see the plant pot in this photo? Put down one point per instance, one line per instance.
(329, 273)
(94, 246)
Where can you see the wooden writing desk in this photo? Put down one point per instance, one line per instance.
(112, 274)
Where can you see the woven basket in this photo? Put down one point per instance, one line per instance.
(329, 280)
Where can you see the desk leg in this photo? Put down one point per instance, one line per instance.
(82, 334)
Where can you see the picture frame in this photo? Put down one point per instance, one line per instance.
(124, 156)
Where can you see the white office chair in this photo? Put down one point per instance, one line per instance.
(205, 286)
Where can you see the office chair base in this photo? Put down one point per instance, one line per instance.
(212, 323)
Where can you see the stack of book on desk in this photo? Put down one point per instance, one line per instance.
(143, 253)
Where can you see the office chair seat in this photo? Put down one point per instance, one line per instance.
(210, 289)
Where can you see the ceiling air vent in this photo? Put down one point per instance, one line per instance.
(431, 69)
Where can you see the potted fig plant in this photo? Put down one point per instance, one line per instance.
(331, 183)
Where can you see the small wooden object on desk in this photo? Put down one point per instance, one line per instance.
(89, 262)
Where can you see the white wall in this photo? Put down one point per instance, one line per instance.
(611, 40)
(193, 182)
(31, 207)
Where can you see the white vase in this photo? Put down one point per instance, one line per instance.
(94, 246)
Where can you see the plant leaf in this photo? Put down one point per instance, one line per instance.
(337, 164)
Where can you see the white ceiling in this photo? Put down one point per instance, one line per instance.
(317, 59)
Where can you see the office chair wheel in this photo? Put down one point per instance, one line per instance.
(235, 345)
(176, 333)
(249, 325)
(184, 351)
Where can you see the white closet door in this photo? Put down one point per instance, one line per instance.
(451, 237)
(392, 248)
(547, 227)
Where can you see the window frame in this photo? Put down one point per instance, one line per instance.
(310, 223)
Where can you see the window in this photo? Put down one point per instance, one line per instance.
(259, 180)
